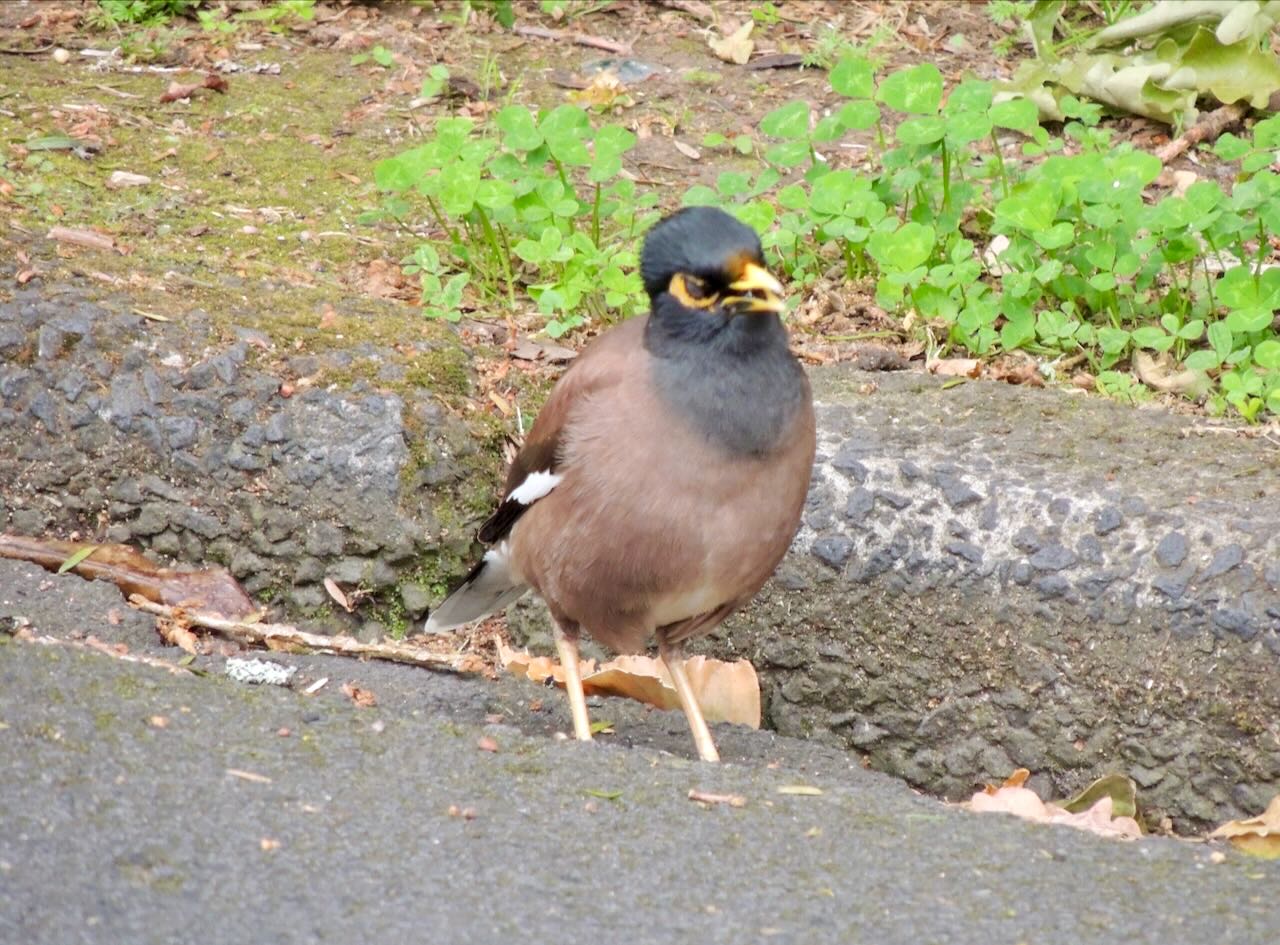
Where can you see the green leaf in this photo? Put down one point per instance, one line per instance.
(858, 116)
(916, 91)
(1221, 339)
(967, 127)
(1266, 354)
(1030, 206)
(76, 557)
(1112, 340)
(1149, 336)
(457, 188)
(1055, 237)
(565, 130)
(382, 56)
(733, 183)
(53, 143)
(853, 77)
(788, 153)
(1248, 319)
(917, 131)
(494, 193)
(789, 121)
(519, 130)
(605, 795)
(700, 195)
(1019, 114)
(744, 144)
(904, 249)
(1202, 360)
(793, 197)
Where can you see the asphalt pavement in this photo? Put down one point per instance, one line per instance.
(143, 806)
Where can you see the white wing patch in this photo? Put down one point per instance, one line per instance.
(535, 486)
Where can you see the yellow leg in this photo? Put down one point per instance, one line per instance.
(567, 647)
(674, 661)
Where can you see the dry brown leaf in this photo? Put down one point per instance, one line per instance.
(726, 692)
(603, 90)
(177, 90)
(177, 633)
(955, 367)
(1159, 375)
(737, 46)
(1257, 836)
(121, 179)
(337, 594)
(361, 697)
(487, 744)
(688, 150)
(1025, 803)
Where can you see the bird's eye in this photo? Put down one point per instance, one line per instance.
(697, 288)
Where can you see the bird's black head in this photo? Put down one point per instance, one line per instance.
(704, 259)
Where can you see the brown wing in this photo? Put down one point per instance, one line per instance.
(595, 369)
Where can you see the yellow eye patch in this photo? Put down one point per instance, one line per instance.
(680, 287)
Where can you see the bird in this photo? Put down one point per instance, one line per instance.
(664, 478)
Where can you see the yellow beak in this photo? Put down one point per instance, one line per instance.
(756, 290)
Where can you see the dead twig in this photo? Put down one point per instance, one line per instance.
(282, 636)
(26, 52)
(1207, 128)
(582, 39)
(98, 646)
(695, 8)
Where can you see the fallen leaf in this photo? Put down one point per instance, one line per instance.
(727, 692)
(526, 349)
(1122, 791)
(267, 844)
(76, 558)
(1098, 818)
(466, 813)
(23, 276)
(800, 790)
(158, 721)
(121, 179)
(603, 795)
(688, 150)
(487, 744)
(316, 686)
(1159, 375)
(602, 727)
(737, 46)
(361, 697)
(603, 90)
(1257, 836)
(337, 594)
(179, 634)
(703, 797)
(955, 367)
(177, 90)
(248, 776)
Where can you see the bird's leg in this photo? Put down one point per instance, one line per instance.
(673, 659)
(567, 647)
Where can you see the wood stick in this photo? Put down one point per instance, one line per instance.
(98, 646)
(582, 39)
(265, 634)
(1207, 128)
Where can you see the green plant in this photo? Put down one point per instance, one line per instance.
(530, 203)
(111, 14)
(385, 58)
(766, 14)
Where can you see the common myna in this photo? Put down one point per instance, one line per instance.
(664, 479)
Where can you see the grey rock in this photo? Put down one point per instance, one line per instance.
(1224, 559)
(49, 342)
(181, 432)
(833, 551)
(963, 549)
(1172, 550)
(1106, 520)
(955, 490)
(1053, 558)
(416, 598)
